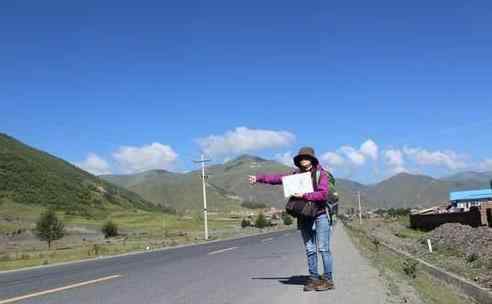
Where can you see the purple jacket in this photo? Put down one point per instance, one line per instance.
(319, 196)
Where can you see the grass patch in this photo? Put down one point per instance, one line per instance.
(435, 292)
(400, 272)
(137, 228)
(410, 233)
(46, 257)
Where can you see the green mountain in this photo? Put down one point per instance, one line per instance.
(399, 191)
(409, 191)
(232, 177)
(139, 178)
(30, 176)
(228, 186)
(174, 190)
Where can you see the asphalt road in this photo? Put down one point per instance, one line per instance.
(260, 269)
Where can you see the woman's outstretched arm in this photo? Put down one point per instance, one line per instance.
(273, 179)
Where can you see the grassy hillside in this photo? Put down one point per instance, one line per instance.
(32, 177)
(135, 179)
(233, 178)
(178, 191)
(408, 191)
(229, 180)
(227, 185)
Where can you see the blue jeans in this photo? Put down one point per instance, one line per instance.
(318, 231)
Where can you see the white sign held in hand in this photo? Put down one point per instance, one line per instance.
(297, 183)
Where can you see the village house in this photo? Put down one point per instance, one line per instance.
(472, 208)
(464, 200)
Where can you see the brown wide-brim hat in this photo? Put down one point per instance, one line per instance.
(306, 152)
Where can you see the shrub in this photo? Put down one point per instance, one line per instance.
(376, 243)
(287, 219)
(110, 229)
(245, 223)
(261, 221)
(410, 268)
(97, 249)
(49, 228)
(471, 258)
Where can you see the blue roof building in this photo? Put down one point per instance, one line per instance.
(467, 199)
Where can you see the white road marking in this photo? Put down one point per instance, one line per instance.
(267, 240)
(217, 251)
(41, 293)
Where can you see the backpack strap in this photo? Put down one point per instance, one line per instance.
(329, 207)
(331, 179)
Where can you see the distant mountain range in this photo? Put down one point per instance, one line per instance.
(409, 191)
(32, 177)
(481, 177)
(227, 183)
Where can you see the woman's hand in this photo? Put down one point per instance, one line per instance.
(252, 179)
(298, 195)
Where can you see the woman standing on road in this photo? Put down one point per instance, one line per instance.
(312, 229)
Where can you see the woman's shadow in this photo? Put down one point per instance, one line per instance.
(293, 280)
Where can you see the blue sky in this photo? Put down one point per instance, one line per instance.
(124, 86)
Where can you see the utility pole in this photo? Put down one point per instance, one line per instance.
(163, 229)
(162, 220)
(360, 208)
(204, 188)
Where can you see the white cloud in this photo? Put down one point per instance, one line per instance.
(394, 159)
(332, 159)
(448, 159)
(354, 155)
(370, 149)
(242, 140)
(286, 158)
(486, 165)
(138, 159)
(349, 157)
(95, 165)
